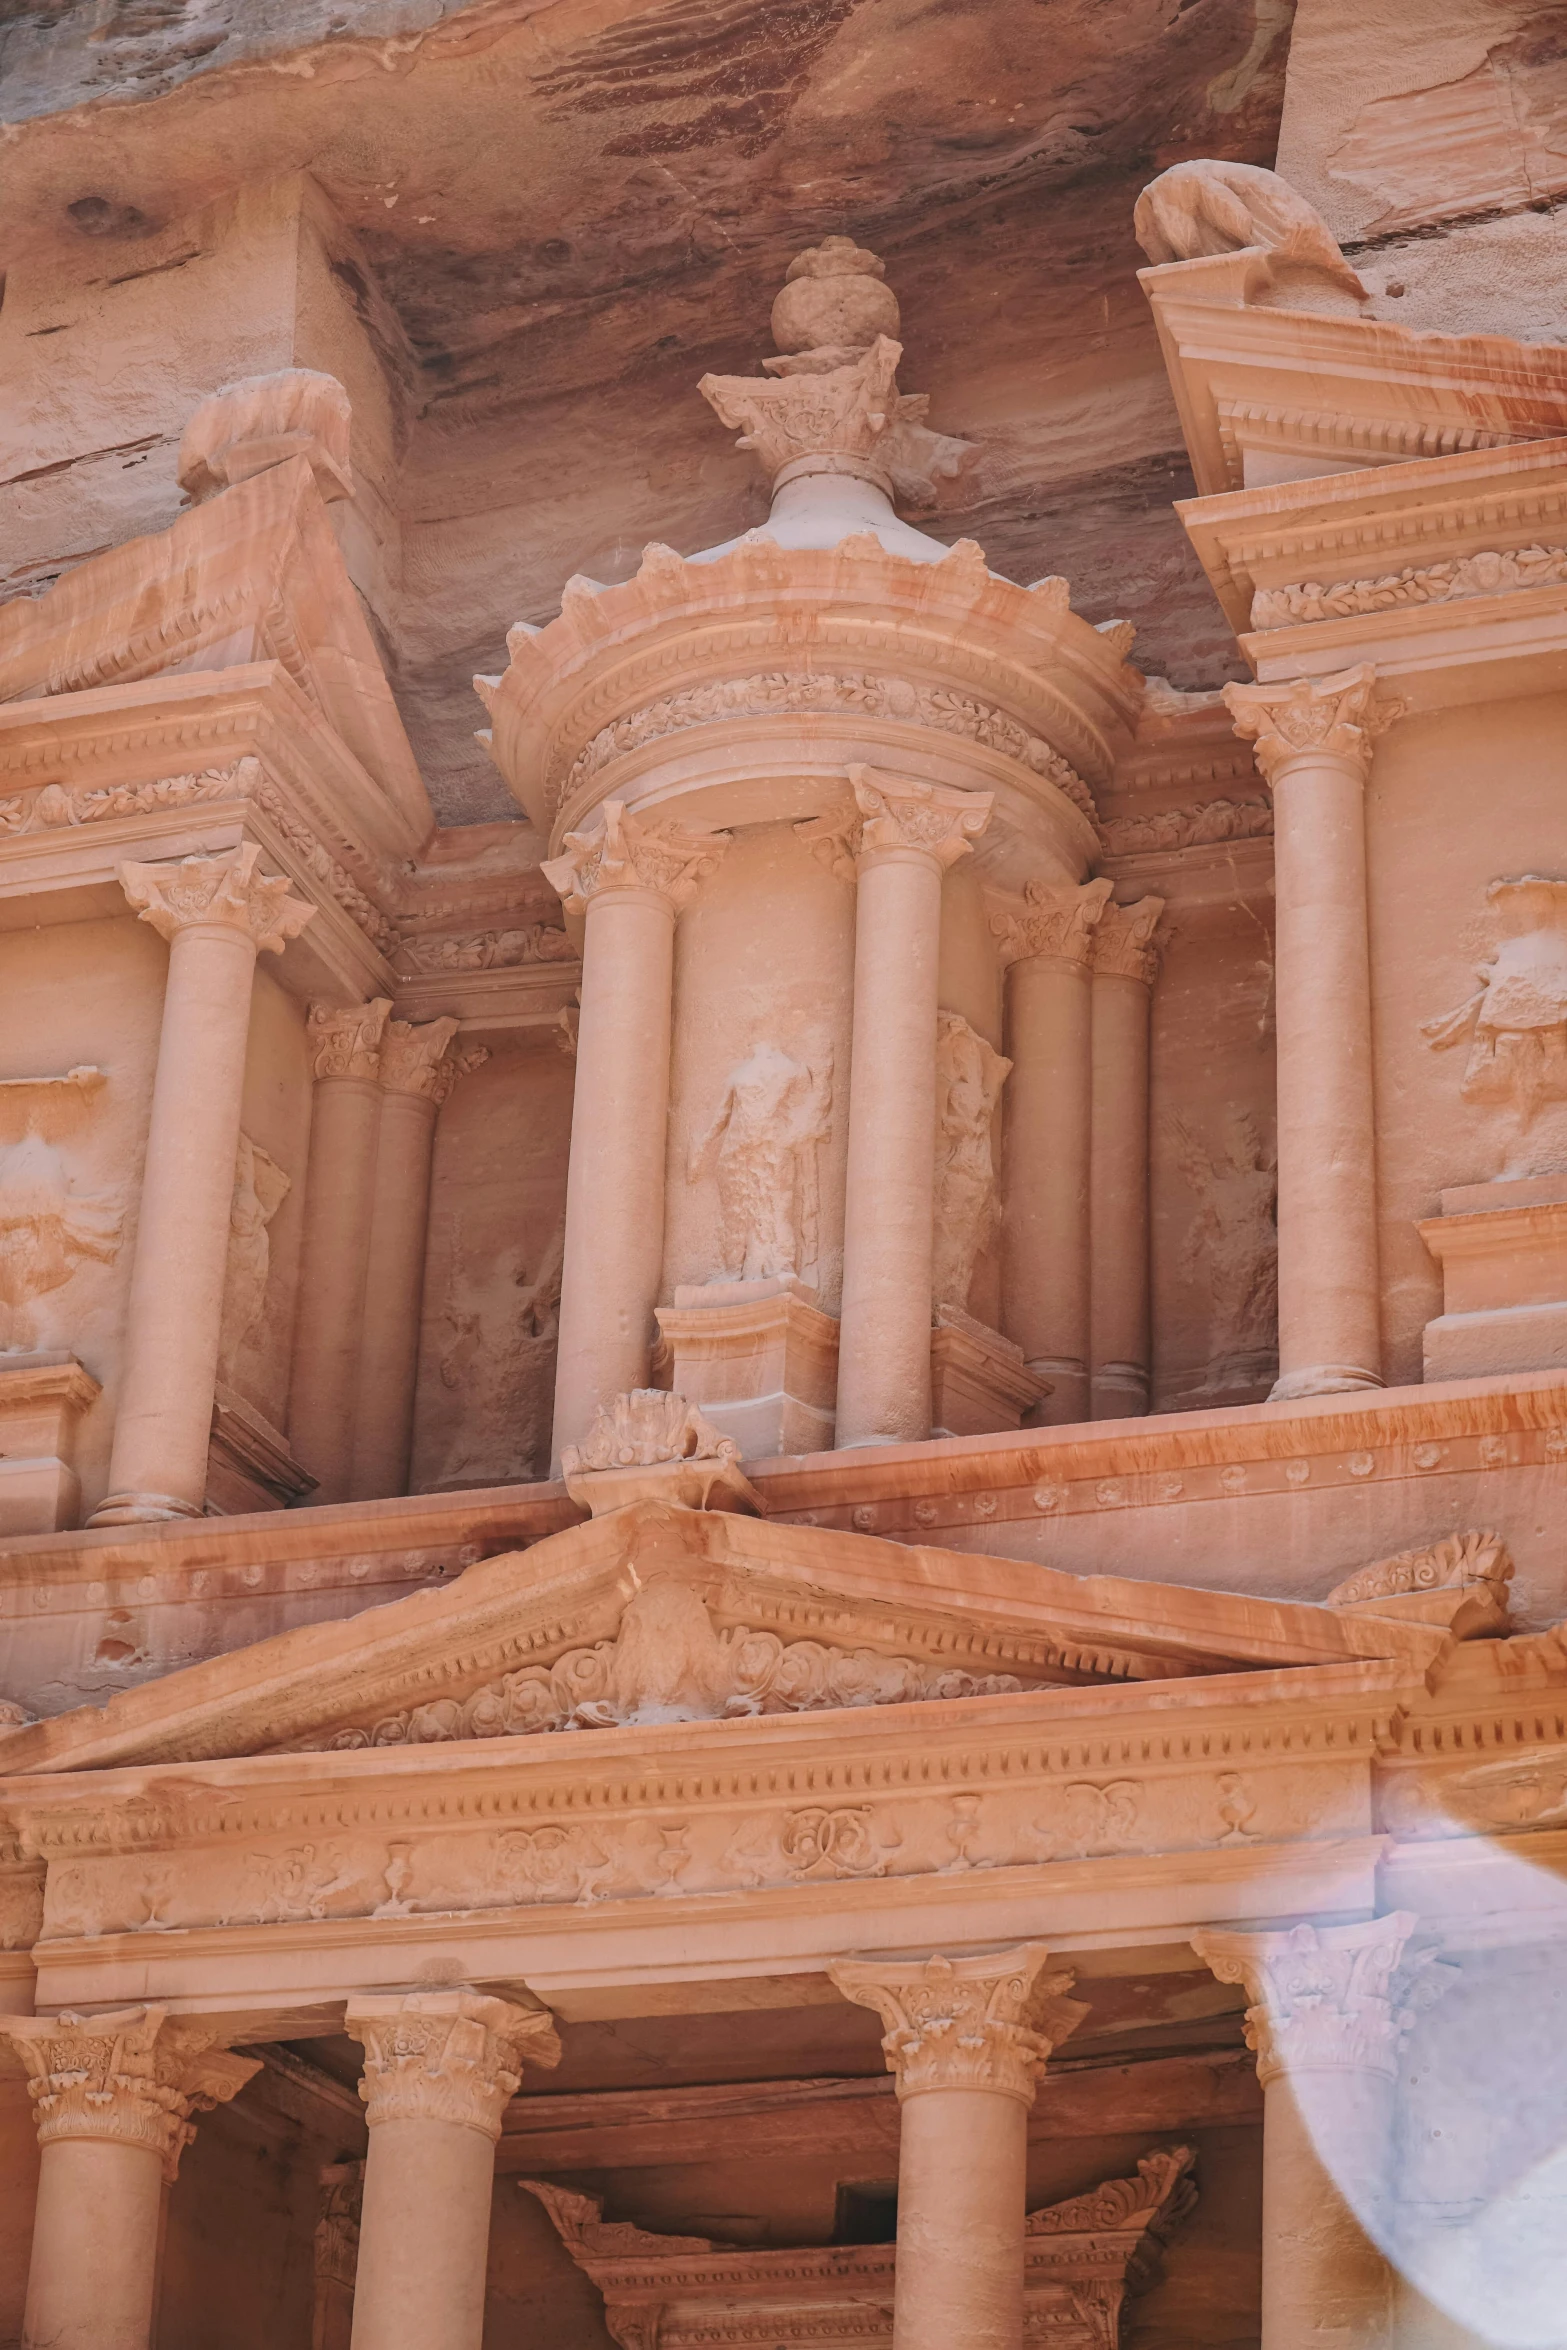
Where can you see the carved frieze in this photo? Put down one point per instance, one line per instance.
(1209, 822)
(969, 1078)
(1491, 572)
(763, 1149)
(57, 805)
(488, 950)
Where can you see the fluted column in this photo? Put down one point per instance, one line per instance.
(1124, 963)
(113, 2097)
(909, 836)
(1313, 741)
(439, 2069)
(1047, 1139)
(628, 880)
(967, 2039)
(417, 1071)
(1329, 2008)
(334, 1257)
(217, 914)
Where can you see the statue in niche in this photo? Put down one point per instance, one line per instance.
(501, 1322)
(1515, 1025)
(763, 1148)
(46, 1231)
(1232, 1246)
(969, 1078)
(260, 1188)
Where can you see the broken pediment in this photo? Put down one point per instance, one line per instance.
(659, 1615)
(1081, 2258)
(253, 573)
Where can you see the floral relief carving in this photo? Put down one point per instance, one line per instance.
(1188, 828)
(260, 1188)
(969, 1078)
(226, 890)
(454, 2056)
(488, 950)
(1339, 717)
(57, 805)
(1231, 1247)
(641, 1429)
(967, 2023)
(774, 692)
(669, 1663)
(764, 1149)
(419, 1060)
(1454, 1563)
(323, 867)
(1090, 1819)
(898, 813)
(1491, 572)
(1515, 1025)
(133, 2075)
(624, 852)
(1124, 942)
(1059, 923)
(843, 1840)
(345, 1039)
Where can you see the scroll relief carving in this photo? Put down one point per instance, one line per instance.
(669, 1663)
(488, 950)
(345, 1039)
(1455, 1563)
(857, 692)
(260, 1188)
(1231, 1248)
(969, 1078)
(1211, 822)
(57, 805)
(1515, 1025)
(764, 1150)
(47, 1228)
(1489, 573)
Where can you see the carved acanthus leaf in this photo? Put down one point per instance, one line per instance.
(623, 852)
(1338, 717)
(418, 1060)
(318, 861)
(1187, 828)
(134, 2075)
(1489, 573)
(225, 891)
(451, 2056)
(1453, 1564)
(899, 813)
(345, 1039)
(669, 1663)
(1160, 2195)
(645, 1427)
(1328, 1998)
(1058, 923)
(1124, 942)
(966, 2023)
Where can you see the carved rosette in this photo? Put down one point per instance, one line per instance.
(1123, 942)
(420, 1061)
(1325, 1998)
(987, 2023)
(217, 893)
(1056, 923)
(447, 2056)
(133, 2075)
(622, 852)
(1335, 718)
(899, 814)
(345, 1039)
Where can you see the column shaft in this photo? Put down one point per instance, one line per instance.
(95, 2246)
(1325, 2285)
(962, 2195)
(1124, 963)
(424, 2237)
(884, 1340)
(216, 913)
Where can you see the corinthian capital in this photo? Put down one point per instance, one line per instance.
(447, 2056)
(133, 2075)
(1123, 941)
(224, 892)
(966, 2023)
(420, 1060)
(897, 813)
(624, 852)
(345, 1039)
(1339, 717)
(1324, 1998)
(1058, 923)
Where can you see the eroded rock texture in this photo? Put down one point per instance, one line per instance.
(539, 225)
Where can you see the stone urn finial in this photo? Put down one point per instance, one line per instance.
(835, 300)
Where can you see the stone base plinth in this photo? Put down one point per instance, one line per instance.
(249, 1465)
(979, 1381)
(1502, 1248)
(42, 1396)
(757, 1358)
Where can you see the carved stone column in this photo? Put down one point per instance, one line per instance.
(967, 2039)
(334, 1257)
(628, 879)
(910, 834)
(439, 2069)
(1328, 2013)
(113, 2096)
(417, 1073)
(1047, 1139)
(217, 914)
(1125, 963)
(1313, 741)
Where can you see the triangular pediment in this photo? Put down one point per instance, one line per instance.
(655, 1615)
(252, 574)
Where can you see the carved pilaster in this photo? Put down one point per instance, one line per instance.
(217, 893)
(420, 1060)
(1123, 941)
(1325, 1998)
(1336, 717)
(133, 2075)
(989, 2022)
(345, 1039)
(897, 813)
(447, 2056)
(1057, 923)
(623, 852)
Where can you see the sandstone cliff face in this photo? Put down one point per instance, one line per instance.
(526, 230)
